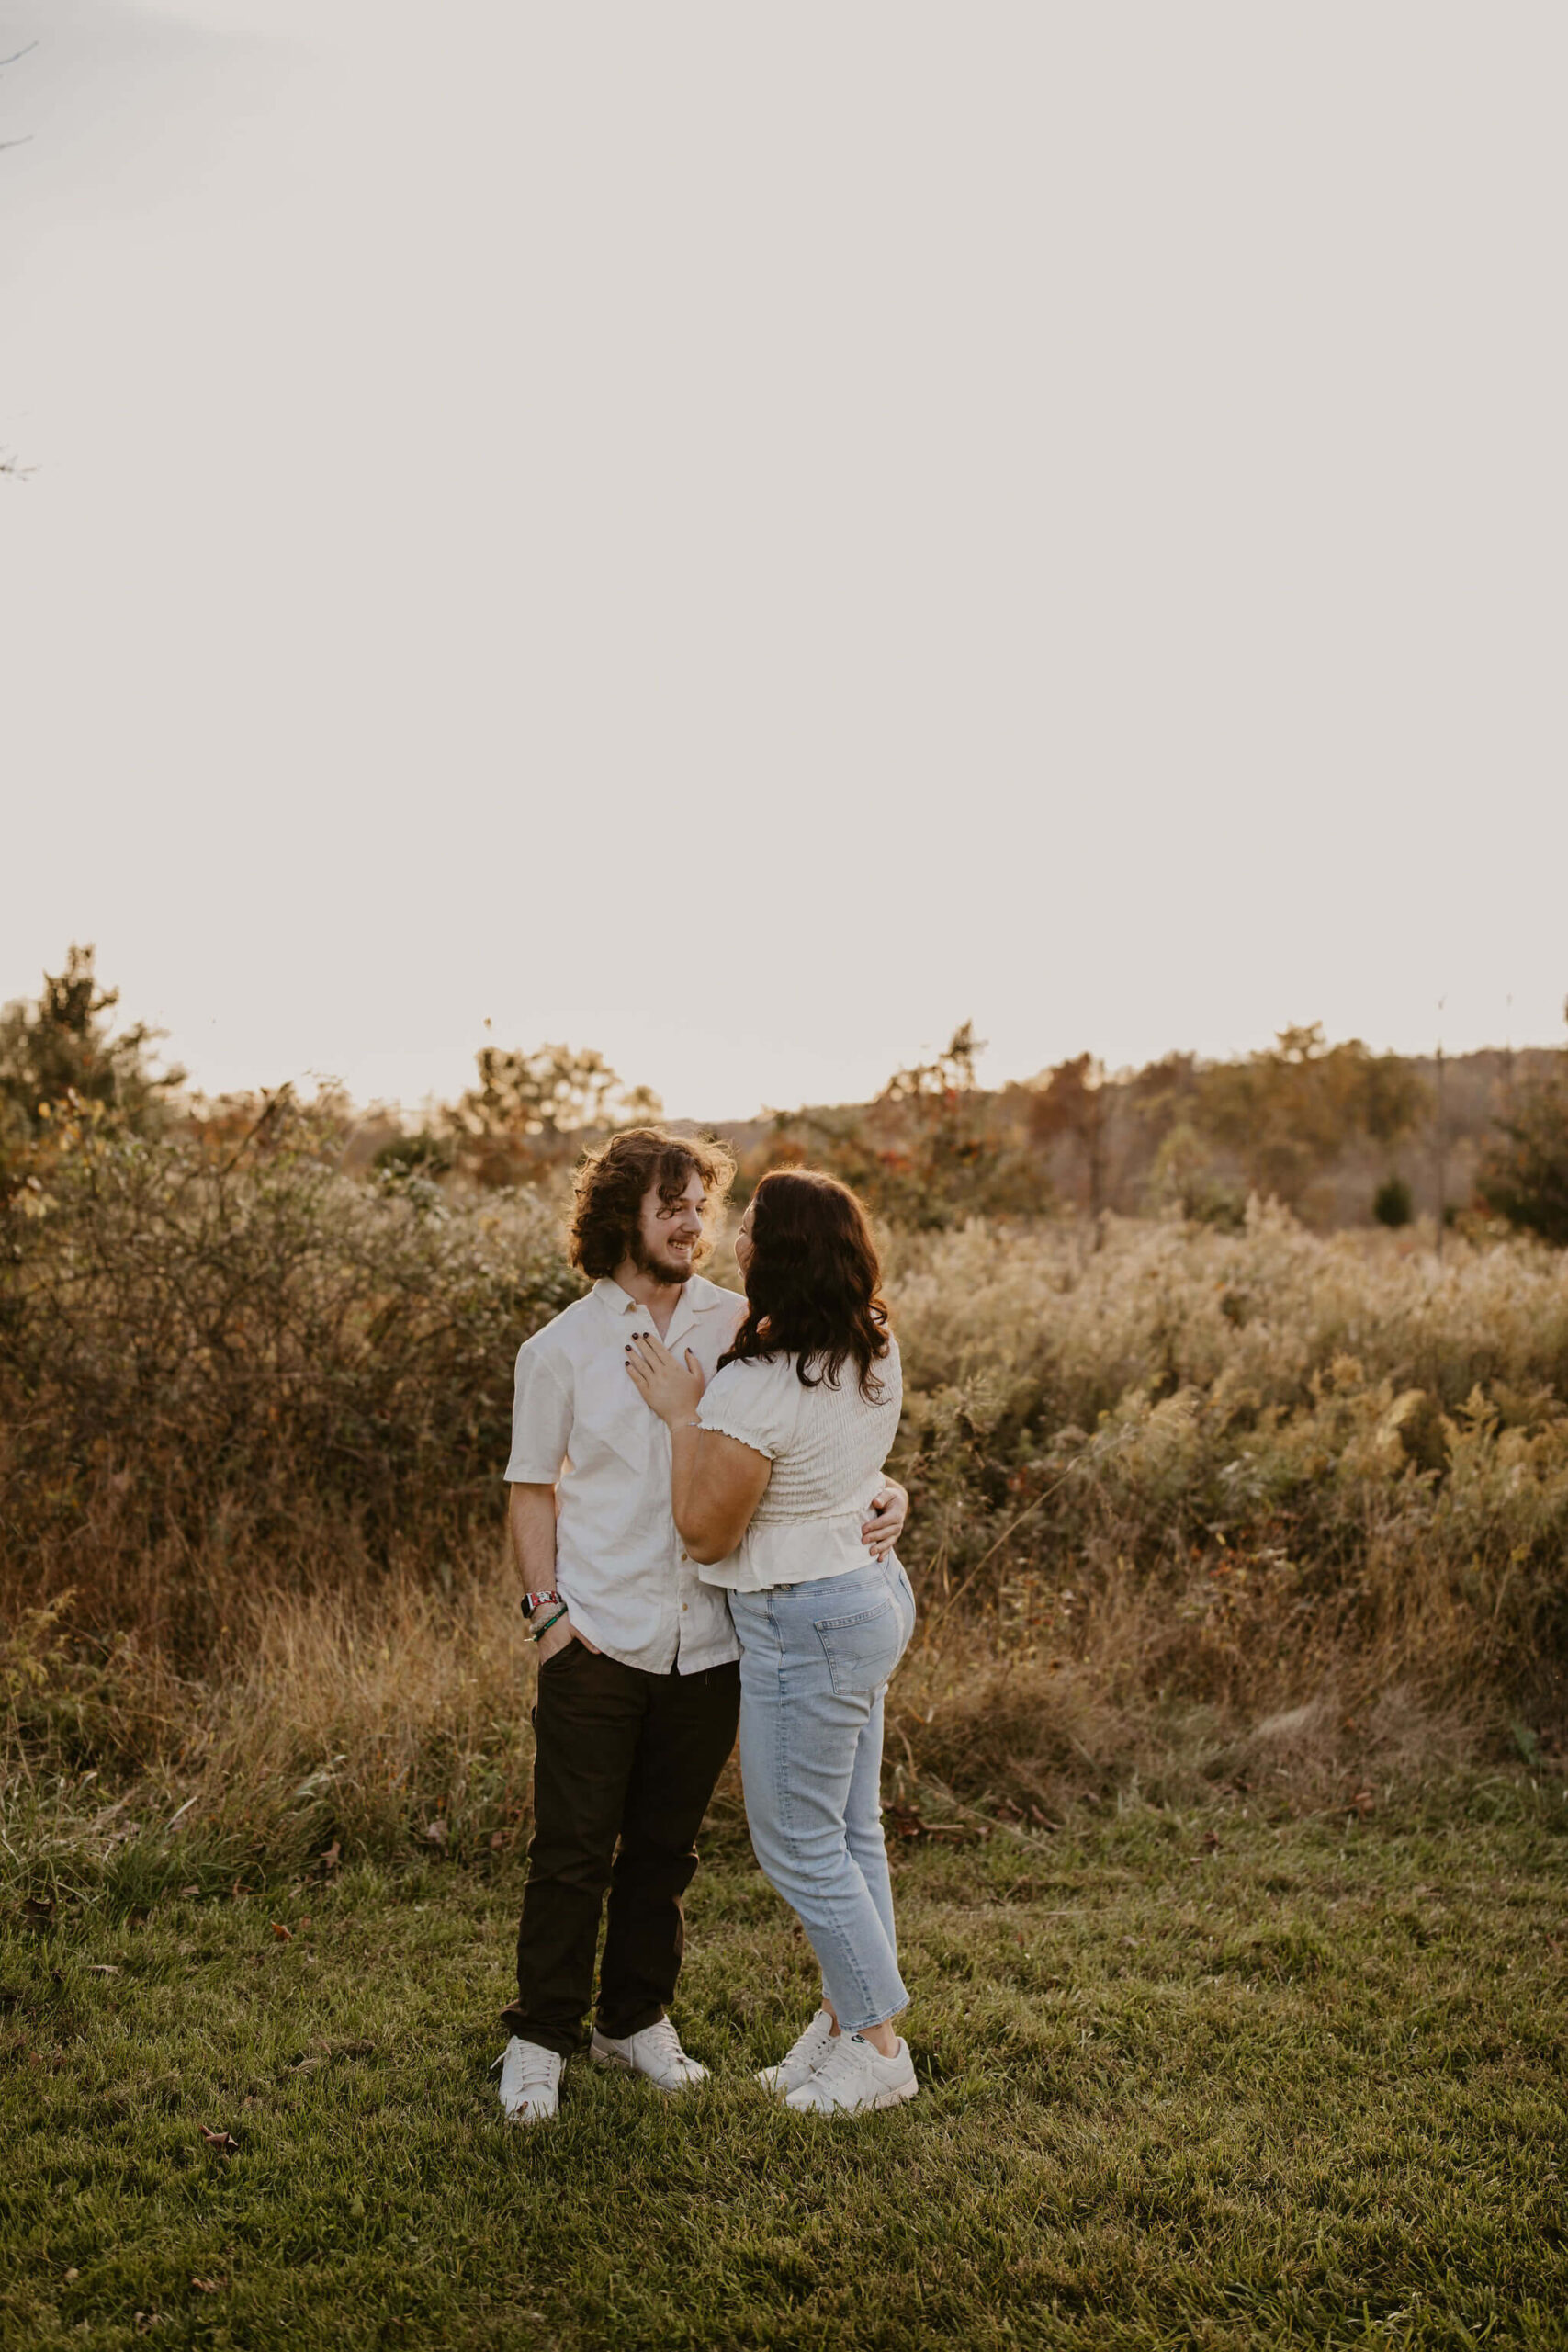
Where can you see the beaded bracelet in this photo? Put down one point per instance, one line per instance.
(541, 1630)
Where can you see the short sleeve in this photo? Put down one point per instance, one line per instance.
(749, 1403)
(541, 1421)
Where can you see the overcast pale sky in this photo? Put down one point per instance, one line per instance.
(743, 536)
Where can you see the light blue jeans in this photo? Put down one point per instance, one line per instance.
(815, 1662)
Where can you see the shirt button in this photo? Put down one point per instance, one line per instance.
(683, 1608)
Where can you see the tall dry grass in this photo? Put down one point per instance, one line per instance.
(1255, 1509)
(1248, 1459)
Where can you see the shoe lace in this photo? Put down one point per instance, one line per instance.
(843, 2059)
(817, 2035)
(532, 2067)
(666, 2041)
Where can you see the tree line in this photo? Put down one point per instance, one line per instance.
(1181, 1136)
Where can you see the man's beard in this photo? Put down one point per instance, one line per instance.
(663, 1269)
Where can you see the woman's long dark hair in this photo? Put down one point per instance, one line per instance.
(811, 1287)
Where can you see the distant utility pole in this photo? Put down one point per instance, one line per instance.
(1095, 1107)
(1442, 1202)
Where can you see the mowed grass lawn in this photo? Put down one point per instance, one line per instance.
(1302, 2086)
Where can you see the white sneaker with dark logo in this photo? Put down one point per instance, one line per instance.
(655, 2052)
(802, 2059)
(853, 2078)
(530, 2082)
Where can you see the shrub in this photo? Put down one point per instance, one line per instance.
(1392, 1204)
(1525, 1175)
(61, 1054)
(221, 1367)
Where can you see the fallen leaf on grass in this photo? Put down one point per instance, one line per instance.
(1363, 1801)
(210, 2286)
(71, 2276)
(222, 2143)
(284, 1935)
(145, 2320)
(190, 1889)
(303, 2066)
(1210, 1841)
(436, 1834)
(333, 1856)
(501, 1841)
(102, 1968)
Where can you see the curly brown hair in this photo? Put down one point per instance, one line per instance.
(813, 1285)
(611, 1184)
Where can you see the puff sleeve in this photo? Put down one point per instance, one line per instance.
(755, 1403)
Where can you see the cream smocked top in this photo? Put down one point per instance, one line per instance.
(828, 1447)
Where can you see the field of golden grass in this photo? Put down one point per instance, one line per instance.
(1193, 1511)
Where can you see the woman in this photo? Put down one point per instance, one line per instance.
(771, 1470)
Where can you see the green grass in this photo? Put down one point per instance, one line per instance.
(1301, 2088)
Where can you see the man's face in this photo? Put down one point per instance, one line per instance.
(668, 1232)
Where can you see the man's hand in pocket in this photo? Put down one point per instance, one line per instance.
(555, 1640)
(560, 1633)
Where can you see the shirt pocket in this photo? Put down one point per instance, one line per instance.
(863, 1650)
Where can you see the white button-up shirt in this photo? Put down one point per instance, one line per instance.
(579, 1423)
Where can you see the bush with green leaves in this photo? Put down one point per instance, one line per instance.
(1525, 1176)
(1392, 1204)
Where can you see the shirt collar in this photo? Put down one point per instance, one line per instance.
(694, 1296)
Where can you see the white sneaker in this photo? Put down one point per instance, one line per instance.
(656, 2051)
(802, 2059)
(853, 2078)
(530, 2082)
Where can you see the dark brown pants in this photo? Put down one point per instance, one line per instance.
(620, 1755)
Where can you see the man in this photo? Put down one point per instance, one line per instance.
(639, 1688)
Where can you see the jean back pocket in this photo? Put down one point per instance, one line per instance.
(862, 1650)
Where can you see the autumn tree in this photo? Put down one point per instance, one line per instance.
(530, 1110)
(1072, 1101)
(1289, 1112)
(932, 1147)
